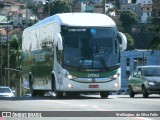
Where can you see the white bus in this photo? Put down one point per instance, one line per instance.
(73, 53)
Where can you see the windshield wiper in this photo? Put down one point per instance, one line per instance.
(102, 60)
(77, 59)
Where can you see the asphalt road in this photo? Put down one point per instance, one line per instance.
(116, 107)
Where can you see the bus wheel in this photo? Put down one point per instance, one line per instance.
(56, 93)
(144, 91)
(34, 93)
(104, 94)
(31, 85)
(72, 94)
(40, 93)
(131, 93)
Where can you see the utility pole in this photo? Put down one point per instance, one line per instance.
(8, 56)
(104, 6)
(1, 80)
(26, 21)
(49, 2)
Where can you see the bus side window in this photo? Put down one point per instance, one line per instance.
(59, 55)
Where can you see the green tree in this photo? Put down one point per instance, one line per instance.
(58, 6)
(15, 57)
(154, 27)
(36, 7)
(155, 43)
(130, 42)
(61, 6)
(128, 18)
(15, 51)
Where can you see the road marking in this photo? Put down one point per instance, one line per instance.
(83, 105)
(1, 118)
(143, 118)
(151, 100)
(96, 108)
(56, 101)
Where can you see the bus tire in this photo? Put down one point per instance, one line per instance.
(104, 94)
(73, 94)
(31, 86)
(56, 93)
(34, 93)
(40, 93)
(59, 94)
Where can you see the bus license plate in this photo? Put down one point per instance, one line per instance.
(93, 86)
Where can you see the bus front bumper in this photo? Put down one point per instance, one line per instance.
(71, 85)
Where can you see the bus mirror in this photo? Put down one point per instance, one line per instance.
(123, 41)
(60, 44)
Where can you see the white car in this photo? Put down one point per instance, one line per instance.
(27, 95)
(6, 92)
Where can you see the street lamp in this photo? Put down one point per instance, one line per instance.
(49, 5)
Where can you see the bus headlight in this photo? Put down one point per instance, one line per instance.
(70, 77)
(115, 76)
(115, 84)
(70, 85)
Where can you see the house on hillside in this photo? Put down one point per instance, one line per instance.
(143, 8)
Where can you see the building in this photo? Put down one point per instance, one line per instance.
(9, 1)
(136, 8)
(18, 14)
(25, 1)
(156, 8)
(1, 3)
(143, 8)
(95, 6)
(143, 1)
(146, 6)
(125, 1)
(40, 1)
(131, 59)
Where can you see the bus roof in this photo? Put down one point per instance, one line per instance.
(78, 19)
(85, 19)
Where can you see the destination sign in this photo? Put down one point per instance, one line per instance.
(71, 30)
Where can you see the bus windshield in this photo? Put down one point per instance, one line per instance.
(90, 48)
